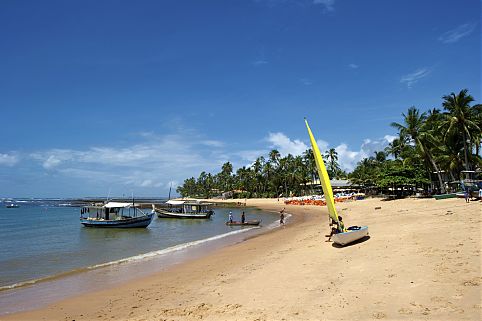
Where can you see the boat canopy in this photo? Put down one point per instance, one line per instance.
(117, 204)
(175, 202)
(187, 202)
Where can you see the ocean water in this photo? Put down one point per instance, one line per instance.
(41, 240)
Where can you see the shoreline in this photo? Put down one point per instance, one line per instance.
(82, 280)
(421, 262)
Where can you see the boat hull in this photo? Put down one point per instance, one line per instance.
(350, 236)
(167, 214)
(248, 223)
(444, 196)
(143, 221)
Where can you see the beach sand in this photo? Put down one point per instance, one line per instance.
(421, 262)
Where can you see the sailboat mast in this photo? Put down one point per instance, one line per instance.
(324, 178)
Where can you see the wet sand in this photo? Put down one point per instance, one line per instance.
(421, 262)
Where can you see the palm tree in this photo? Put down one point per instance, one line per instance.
(331, 157)
(257, 168)
(274, 157)
(225, 176)
(395, 147)
(414, 129)
(461, 120)
(380, 157)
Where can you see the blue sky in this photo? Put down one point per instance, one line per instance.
(126, 97)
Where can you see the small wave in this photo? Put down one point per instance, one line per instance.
(126, 260)
(169, 249)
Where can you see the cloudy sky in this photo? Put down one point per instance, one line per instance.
(124, 97)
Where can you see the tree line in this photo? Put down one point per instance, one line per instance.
(440, 140)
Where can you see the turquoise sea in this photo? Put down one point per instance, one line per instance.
(42, 240)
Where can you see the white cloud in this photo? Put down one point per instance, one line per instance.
(353, 66)
(456, 34)
(149, 164)
(260, 62)
(51, 162)
(158, 160)
(285, 145)
(349, 158)
(212, 143)
(414, 77)
(328, 4)
(8, 159)
(390, 138)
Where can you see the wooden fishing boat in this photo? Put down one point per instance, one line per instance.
(247, 223)
(185, 209)
(115, 214)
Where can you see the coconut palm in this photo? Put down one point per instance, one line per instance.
(460, 120)
(331, 157)
(413, 128)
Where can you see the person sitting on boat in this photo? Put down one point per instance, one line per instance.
(230, 217)
(336, 227)
(341, 226)
(243, 218)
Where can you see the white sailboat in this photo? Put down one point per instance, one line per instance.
(353, 233)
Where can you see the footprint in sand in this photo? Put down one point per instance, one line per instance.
(379, 315)
(405, 311)
(473, 282)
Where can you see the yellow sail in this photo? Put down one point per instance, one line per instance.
(324, 178)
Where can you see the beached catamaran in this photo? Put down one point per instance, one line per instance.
(355, 232)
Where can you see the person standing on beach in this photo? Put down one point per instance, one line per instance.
(243, 218)
(282, 217)
(466, 194)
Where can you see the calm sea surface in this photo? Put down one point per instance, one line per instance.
(42, 239)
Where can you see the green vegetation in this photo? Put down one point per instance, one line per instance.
(437, 141)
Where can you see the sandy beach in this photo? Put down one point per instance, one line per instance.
(421, 262)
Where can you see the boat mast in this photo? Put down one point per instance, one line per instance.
(133, 206)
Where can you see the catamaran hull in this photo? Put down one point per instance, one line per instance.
(167, 214)
(350, 236)
(143, 221)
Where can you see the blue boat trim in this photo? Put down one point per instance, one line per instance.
(143, 221)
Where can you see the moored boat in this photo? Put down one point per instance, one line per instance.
(185, 209)
(115, 214)
(444, 196)
(12, 205)
(247, 223)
